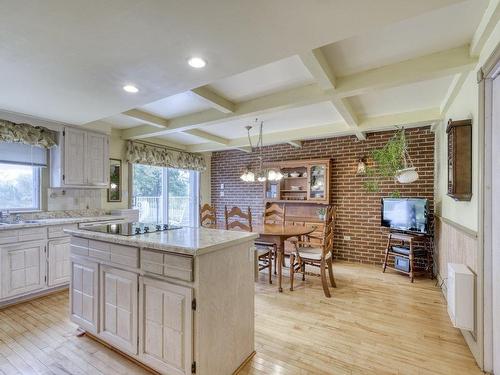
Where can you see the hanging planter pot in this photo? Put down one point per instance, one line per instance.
(407, 175)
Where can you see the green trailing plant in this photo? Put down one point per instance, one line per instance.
(387, 162)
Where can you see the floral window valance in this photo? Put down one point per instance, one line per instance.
(159, 156)
(27, 134)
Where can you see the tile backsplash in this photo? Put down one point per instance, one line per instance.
(73, 199)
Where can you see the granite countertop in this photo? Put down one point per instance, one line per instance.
(186, 240)
(59, 221)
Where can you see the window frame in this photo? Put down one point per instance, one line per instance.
(194, 193)
(37, 190)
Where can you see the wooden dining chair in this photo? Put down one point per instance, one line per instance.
(208, 218)
(236, 219)
(308, 254)
(274, 213)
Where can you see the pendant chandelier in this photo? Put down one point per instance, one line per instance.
(261, 174)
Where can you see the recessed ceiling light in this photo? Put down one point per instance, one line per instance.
(131, 88)
(197, 62)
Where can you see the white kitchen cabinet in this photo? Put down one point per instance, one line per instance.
(118, 308)
(84, 289)
(58, 260)
(97, 152)
(23, 267)
(74, 156)
(166, 326)
(80, 160)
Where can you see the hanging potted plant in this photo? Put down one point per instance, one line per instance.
(391, 161)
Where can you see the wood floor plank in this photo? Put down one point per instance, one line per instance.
(374, 324)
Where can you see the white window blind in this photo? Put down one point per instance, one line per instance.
(20, 153)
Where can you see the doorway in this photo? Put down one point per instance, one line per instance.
(490, 95)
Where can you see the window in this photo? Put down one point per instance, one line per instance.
(165, 195)
(19, 187)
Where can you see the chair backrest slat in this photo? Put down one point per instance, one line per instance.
(274, 213)
(237, 219)
(329, 231)
(208, 218)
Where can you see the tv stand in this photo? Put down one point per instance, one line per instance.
(401, 245)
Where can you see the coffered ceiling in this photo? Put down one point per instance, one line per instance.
(307, 69)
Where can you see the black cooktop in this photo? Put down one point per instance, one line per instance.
(131, 229)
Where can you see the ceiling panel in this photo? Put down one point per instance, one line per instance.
(428, 33)
(182, 138)
(413, 97)
(290, 119)
(176, 105)
(267, 79)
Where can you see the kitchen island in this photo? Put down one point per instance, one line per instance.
(180, 301)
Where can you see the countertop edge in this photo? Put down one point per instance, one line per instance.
(61, 221)
(141, 242)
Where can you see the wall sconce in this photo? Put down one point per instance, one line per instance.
(361, 171)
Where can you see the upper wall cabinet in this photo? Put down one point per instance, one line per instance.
(80, 160)
(460, 159)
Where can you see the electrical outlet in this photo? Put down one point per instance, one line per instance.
(222, 186)
(347, 238)
(221, 193)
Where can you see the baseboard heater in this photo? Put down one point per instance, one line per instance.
(460, 295)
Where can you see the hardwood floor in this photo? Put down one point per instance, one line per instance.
(374, 324)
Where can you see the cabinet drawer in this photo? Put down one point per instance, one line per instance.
(169, 265)
(32, 234)
(56, 231)
(125, 255)
(79, 246)
(8, 236)
(152, 262)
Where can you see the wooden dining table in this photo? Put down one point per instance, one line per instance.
(278, 234)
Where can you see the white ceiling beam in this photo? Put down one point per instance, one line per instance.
(317, 65)
(216, 101)
(441, 64)
(345, 110)
(207, 136)
(490, 19)
(453, 90)
(156, 121)
(419, 118)
(371, 124)
(295, 143)
(246, 149)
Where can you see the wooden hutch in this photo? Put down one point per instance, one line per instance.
(304, 189)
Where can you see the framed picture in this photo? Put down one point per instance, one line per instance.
(115, 180)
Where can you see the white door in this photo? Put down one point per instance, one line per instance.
(74, 156)
(23, 268)
(97, 159)
(166, 326)
(84, 293)
(58, 261)
(118, 299)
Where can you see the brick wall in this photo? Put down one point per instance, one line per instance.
(358, 212)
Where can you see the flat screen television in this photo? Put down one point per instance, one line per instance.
(405, 214)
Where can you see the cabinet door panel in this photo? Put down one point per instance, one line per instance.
(84, 292)
(74, 157)
(97, 159)
(23, 268)
(118, 295)
(58, 261)
(166, 326)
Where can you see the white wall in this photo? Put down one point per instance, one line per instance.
(464, 216)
